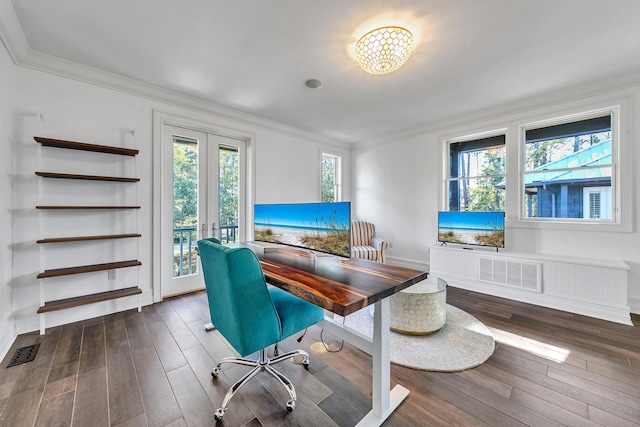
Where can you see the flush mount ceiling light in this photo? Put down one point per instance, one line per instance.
(384, 50)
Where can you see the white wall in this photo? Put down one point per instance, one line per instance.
(281, 162)
(7, 80)
(396, 188)
(286, 163)
(397, 184)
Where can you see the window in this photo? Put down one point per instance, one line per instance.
(568, 170)
(228, 193)
(477, 179)
(597, 202)
(556, 171)
(330, 190)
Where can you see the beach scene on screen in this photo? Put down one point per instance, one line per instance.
(472, 228)
(324, 227)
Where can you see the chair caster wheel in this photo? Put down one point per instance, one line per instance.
(215, 372)
(219, 414)
(291, 405)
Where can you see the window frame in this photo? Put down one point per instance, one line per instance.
(514, 125)
(478, 137)
(619, 220)
(337, 185)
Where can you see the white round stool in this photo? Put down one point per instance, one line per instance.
(420, 309)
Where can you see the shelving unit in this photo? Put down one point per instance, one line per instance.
(83, 298)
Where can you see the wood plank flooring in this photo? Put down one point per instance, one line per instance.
(153, 369)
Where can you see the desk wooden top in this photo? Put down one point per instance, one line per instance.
(340, 285)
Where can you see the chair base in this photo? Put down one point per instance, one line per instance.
(262, 364)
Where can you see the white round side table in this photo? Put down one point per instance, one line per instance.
(420, 309)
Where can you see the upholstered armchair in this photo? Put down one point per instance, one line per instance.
(364, 243)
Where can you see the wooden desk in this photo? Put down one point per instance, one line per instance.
(344, 286)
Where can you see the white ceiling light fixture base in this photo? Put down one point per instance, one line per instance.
(384, 49)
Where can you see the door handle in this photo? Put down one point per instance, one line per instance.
(213, 229)
(203, 231)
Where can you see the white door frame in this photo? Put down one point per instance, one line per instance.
(159, 120)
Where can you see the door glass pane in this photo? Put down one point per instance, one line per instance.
(185, 205)
(229, 198)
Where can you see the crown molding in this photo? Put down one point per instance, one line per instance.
(11, 33)
(12, 36)
(71, 70)
(574, 92)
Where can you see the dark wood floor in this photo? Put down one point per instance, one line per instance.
(153, 368)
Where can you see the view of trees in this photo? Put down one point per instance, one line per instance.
(185, 201)
(481, 192)
(185, 187)
(185, 205)
(482, 171)
(539, 153)
(328, 179)
(185, 184)
(229, 179)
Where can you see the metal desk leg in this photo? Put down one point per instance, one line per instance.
(384, 402)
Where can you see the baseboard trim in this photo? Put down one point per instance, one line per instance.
(7, 337)
(634, 305)
(409, 263)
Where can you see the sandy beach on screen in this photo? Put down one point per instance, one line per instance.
(291, 236)
(466, 236)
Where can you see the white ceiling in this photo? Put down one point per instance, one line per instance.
(255, 55)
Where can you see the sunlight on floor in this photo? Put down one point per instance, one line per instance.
(548, 351)
(318, 347)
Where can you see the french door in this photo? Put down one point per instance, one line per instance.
(202, 194)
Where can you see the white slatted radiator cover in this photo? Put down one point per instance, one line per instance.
(515, 273)
(592, 287)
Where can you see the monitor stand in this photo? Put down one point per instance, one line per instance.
(293, 251)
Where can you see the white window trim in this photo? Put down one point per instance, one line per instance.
(446, 154)
(474, 137)
(620, 183)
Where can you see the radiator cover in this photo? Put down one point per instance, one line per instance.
(511, 272)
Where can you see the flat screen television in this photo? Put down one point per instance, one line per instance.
(471, 228)
(320, 227)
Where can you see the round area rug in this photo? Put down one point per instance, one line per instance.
(462, 343)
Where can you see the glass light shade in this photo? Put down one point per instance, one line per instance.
(384, 50)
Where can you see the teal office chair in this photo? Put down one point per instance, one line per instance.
(250, 315)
